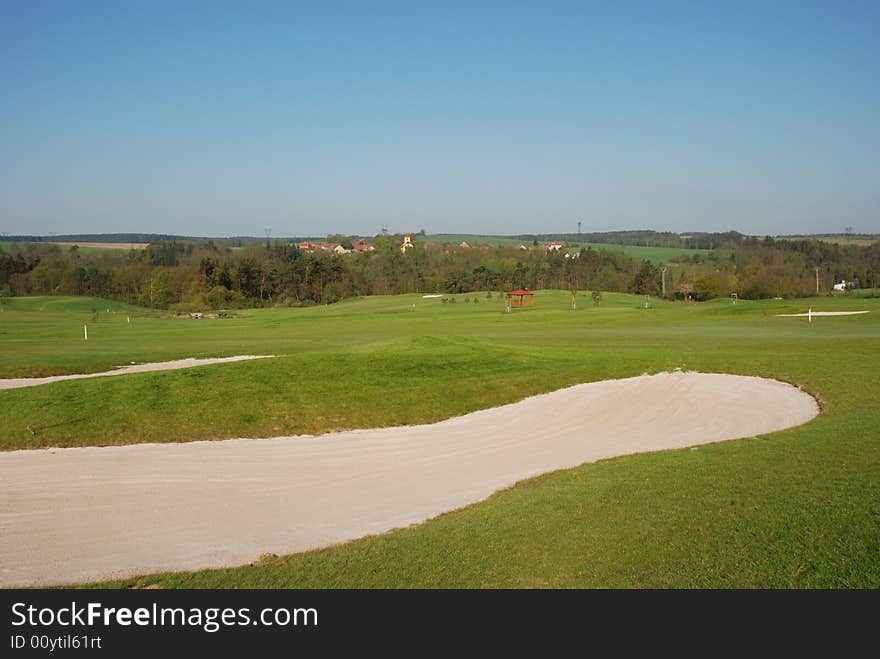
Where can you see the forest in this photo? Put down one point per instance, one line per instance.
(194, 274)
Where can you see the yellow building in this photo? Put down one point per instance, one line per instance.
(407, 243)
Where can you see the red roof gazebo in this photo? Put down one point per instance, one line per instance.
(520, 298)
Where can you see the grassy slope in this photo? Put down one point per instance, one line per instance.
(336, 364)
(798, 508)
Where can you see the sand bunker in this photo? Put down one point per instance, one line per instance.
(81, 514)
(821, 313)
(17, 383)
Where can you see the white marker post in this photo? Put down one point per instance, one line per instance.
(85, 332)
(128, 319)
(810, 314)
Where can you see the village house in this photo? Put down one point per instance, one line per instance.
(361, 245)
(336, 248)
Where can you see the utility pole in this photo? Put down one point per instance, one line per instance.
(663, 274)
(579, 228)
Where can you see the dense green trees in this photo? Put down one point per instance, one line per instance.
(186, 275)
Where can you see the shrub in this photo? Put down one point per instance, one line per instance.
(707, 286)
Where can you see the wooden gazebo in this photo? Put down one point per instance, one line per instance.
(520, 298)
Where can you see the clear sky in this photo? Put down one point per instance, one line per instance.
(227, 118)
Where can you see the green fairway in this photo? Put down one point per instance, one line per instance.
(796, 508)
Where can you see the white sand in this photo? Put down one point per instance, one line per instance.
(80, 514)
(821, 313)
(17, 383)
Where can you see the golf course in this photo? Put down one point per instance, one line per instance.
(798, 507)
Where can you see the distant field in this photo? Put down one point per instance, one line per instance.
(106, 245)
(458, 238)
(798, 508)
(84, 248)
(6, 245)
(654, 254)
(842, 239)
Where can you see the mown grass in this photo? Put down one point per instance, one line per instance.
(365, 363)
(799, 508)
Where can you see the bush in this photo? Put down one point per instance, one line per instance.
(756, 289)
(707, 286)
(330, 295)
(220, 297)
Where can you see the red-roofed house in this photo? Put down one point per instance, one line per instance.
(361, 245)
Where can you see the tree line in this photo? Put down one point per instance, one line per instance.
(206, 274)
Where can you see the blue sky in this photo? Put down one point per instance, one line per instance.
(228, 118)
